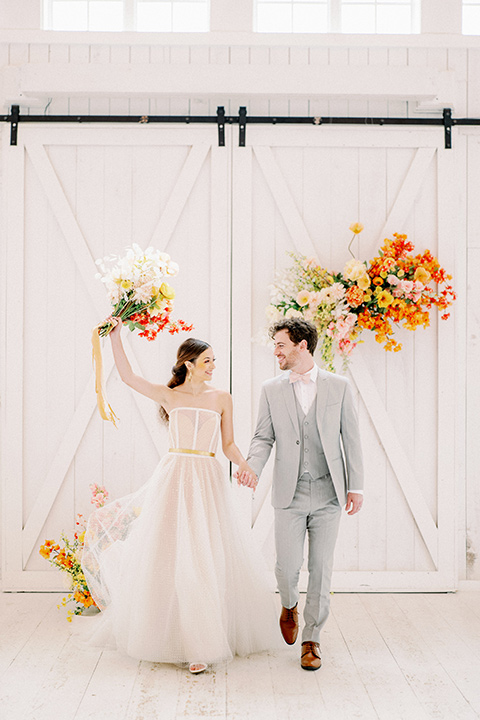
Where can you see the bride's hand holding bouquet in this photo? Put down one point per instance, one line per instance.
(141, 299)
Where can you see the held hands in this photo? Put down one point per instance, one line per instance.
(354, 503)
(245, 476)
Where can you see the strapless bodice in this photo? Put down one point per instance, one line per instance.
(194, 429)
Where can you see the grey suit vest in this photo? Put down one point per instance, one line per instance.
(312, 457)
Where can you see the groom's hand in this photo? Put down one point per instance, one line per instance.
(247, 479)
(354, 503)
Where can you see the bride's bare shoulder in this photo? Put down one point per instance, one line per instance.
(224, 400)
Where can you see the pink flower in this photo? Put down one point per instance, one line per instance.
(393, 280)
(407, 286)
(344, 325)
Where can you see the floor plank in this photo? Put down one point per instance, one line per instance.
(450, 649)
(385, 657)
(432, 685)
(20, 615)
(155, 693)
(28, 670)
(379, 673)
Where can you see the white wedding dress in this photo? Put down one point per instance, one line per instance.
(175, 577)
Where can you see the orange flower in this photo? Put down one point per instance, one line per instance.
(356, 228)
(354, 296)
(45, 551)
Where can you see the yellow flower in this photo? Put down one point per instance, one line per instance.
(363, 282)
(422, 275)
(126, 284)
(400, 273)
(356, 228)
(383, 297)
(167, 291)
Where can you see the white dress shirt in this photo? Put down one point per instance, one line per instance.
(306, 394)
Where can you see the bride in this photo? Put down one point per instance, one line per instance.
(176, 579)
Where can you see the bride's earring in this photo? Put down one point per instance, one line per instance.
(189, 374)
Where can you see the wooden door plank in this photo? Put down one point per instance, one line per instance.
(220, 256)
(396, 456)
(13, 466)
(292, 218)
(68, 224)
(59, 467)
(241, 300)
(186, 180)
(451, 362)
(408, 192)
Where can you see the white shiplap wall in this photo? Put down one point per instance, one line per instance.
(461, 57)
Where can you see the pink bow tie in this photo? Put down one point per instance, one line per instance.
(294, 377)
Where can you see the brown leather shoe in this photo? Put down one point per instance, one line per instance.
(289, 624)
(311, 659)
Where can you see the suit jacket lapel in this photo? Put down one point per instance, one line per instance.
(289, 397)
(322, 395)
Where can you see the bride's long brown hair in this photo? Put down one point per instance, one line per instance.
(188, 351)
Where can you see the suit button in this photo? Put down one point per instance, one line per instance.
(306, 449)
(298, 442)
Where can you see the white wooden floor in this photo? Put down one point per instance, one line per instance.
(386, 656)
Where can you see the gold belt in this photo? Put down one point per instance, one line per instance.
(191, 452)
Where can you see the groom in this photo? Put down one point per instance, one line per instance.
(310, 415)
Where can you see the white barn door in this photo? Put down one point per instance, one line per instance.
(300, 189)
(73, 195)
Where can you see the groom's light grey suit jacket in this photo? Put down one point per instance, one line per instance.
(337, 426)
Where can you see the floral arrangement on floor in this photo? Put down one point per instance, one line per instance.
(138, 292)
(395, 288)
(69, 557)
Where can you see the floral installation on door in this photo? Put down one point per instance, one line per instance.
(394, 289)
(69, 557)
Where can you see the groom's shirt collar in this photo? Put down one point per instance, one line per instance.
(307, 392)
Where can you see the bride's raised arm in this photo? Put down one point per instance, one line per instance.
(158, 393)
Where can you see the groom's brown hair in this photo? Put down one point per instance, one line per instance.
(298, 330)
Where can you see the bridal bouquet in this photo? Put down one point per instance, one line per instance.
(141, 298)
(69, 557)
(138, 292)
(395, 288)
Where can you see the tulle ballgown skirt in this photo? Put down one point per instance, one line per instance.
(178, 580)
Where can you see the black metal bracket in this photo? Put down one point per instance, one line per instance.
(242, 126)
(447, 124)
(446, 121)
(221, 125)
(15, 117)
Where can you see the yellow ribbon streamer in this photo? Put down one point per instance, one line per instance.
(104, 408)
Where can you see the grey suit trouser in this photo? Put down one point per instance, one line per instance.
(314, 510)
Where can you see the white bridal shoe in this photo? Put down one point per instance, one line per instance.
(196, 668)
